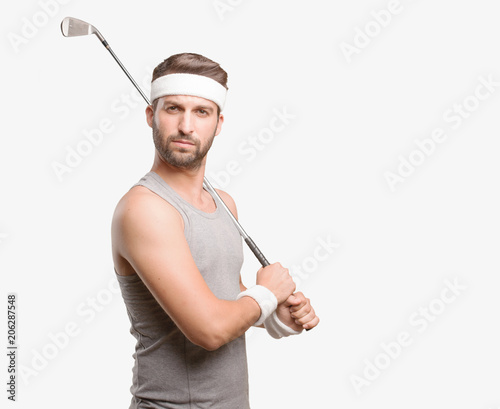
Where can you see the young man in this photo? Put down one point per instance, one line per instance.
(177, 257)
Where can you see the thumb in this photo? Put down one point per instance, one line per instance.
(291, 301)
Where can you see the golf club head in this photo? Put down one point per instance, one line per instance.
(73, 27)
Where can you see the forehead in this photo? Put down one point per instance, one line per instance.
(188, 101)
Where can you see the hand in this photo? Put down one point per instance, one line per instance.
(297, 312)
(277, 279)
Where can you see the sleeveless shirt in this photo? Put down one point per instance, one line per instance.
(169, 370)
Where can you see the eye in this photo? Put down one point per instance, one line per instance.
(203, 112)
(172, 108)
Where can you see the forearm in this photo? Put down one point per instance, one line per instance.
(224, 321)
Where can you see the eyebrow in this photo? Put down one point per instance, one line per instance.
(173, 101)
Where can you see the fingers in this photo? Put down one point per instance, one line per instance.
(304, 313)
(311, 324)
(308, 321)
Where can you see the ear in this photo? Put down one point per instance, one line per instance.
(219, 124)
(150, 114)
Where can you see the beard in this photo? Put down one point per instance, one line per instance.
(189, 159)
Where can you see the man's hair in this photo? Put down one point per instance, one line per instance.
(190, 63)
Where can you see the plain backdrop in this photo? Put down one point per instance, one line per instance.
(405, 280)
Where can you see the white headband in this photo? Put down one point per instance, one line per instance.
(189, 84)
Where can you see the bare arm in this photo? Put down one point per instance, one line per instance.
(148, 234)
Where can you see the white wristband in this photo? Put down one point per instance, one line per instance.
(276, 328)
(265, 298)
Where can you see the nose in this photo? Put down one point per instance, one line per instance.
(186, 123)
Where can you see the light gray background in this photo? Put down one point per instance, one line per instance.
(320, 178)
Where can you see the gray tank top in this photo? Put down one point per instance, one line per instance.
(169, 370)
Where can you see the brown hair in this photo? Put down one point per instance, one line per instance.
(190, 63)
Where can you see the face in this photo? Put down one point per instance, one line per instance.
(184, 128)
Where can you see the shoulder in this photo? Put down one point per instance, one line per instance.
(140, 209)
(229, 201)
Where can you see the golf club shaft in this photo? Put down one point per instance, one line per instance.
(248, 240)
(250, 243)
(128, 75)
(105, 44)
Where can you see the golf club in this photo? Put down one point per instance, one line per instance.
(73, 27)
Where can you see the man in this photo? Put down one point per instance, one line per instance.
(178, 256)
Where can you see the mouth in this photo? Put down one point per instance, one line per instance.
(183, 142)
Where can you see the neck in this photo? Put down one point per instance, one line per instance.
(188, 183)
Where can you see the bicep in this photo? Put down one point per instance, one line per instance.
(154, 244)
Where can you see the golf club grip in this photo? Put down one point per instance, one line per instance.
(256, 251)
